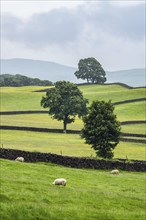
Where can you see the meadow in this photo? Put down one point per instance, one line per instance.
(65, 144)
(24, 98)
(27, 193)
(126, 112)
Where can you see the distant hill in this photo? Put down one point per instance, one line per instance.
(38, 69)
(132, 77)
(51, 71)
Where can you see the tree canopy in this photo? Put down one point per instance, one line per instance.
(91, 70)
(101, 128)
(65, 101)
(20, 80)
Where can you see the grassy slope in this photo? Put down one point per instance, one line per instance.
(126, 112)
(23, 98)
(27, 193)
(26, 189)
(67, 144)
(131, 111)
(38, 120)
(20, 98)
(113, 92)
(134, 128)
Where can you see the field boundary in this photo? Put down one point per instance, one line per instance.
(35, 129)
(115, 83)
(74, 162)
(133, 122)
(23, 112)
(45, 112)
(129, 101)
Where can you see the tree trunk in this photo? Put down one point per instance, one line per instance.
(64, 126)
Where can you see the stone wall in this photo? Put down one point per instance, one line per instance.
(75, 162)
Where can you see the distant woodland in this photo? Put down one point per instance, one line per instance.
(20, 80)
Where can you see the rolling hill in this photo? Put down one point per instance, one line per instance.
(46, 70)
(43, 70)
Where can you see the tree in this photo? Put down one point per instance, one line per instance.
(101, 128)
(91, 70)
(65, 101)
(20, 80)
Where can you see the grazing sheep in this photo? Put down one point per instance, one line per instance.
(20, 159)
(60, 181)
(115, 172)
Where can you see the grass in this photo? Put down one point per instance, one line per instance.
(27, 193)
(26, 188)
(134, 128)
(45, 120)
(114, 92)
(38, 120)
(131, 111)
(65, 144)
(23, 98)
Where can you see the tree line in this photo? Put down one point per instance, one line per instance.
(7, 80)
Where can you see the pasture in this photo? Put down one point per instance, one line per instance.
(45, 120)
(26, 188)
(65, 144)
(27, 193)
(24, 98)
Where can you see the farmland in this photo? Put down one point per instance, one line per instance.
(24, 98)
(27, 193)
(26, 188)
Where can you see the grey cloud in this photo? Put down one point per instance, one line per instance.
(122, 22)
(62, 26)
(10, 26)
(56, 27)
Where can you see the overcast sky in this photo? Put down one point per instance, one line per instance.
(66, 31)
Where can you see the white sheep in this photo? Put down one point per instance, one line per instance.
(20, 159)
(60, 181)
(115, 172)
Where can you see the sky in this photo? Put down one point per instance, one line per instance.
(113, 32)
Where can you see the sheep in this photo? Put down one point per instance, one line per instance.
(115, 172)
(20, 159)
(60, 181)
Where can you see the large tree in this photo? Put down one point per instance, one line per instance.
(101, 128)
(91, 70)
(65, 101)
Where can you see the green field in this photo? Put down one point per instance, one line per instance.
(45, 120)
(20, 98)
(27, 193)
(134, 128)
(65, 144)
(38, 120)
(131, 111)
(23, 98)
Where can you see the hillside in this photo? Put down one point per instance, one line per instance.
(29, 116)
(27, 193)
(46, 70)
(132, 77)
(38, 69)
